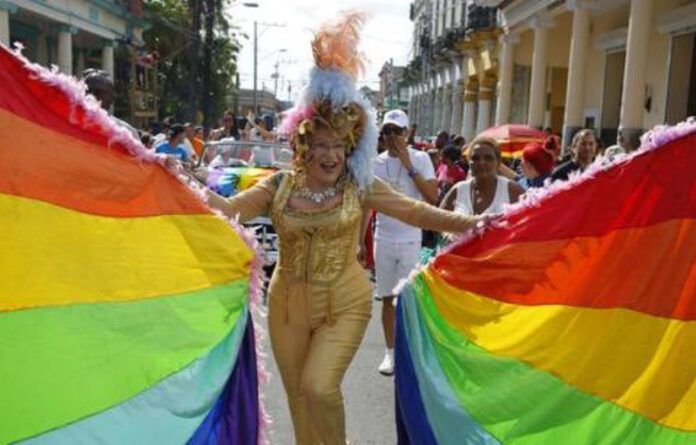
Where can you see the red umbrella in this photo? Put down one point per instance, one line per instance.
(513, 137)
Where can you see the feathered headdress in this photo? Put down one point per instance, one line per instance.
(332, 99)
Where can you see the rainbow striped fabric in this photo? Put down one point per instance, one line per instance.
(571, 322)
(124, 302)
(229, 181)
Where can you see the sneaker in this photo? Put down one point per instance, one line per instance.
(387, 366)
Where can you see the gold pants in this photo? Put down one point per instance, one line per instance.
(315, 332)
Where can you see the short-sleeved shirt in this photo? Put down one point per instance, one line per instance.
(178, 152)
(198, 144)
(391, 170)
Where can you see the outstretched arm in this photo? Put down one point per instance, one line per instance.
(248, 204)
(384, 199)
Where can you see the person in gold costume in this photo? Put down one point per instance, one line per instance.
(319, 295)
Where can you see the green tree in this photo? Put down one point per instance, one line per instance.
(198, 56)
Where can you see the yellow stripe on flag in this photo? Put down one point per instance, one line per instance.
(643, 363)
(53, 256)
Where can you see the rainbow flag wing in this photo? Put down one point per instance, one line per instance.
(124, 302)
(572, 322)
(229, 181)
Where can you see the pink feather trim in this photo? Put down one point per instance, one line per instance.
(96, 116)
(294, 117)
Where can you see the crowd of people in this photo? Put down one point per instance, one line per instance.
(184, 141)
(332, 200)
(467, 178)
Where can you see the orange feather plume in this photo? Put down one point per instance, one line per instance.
(336, 45)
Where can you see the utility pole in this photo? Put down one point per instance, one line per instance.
(256, 55)
(256, 62)
(236, 95)
(391, 83)
(426, 53)
(275, 80)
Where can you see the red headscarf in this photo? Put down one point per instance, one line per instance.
(540, 158)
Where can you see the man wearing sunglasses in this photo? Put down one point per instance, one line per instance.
(398, 245)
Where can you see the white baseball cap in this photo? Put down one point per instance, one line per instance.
(395, 117)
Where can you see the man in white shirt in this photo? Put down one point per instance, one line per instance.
(397, 245)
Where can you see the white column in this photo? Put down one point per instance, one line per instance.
(577, 65)
(437, 112)
(484, 110)
(537, 91)
(432, 90)
(457, 93)
(547, 96)
(419, 108)
(413, 105)
(423, 109)
(65, 49)
(108, 58)
(485, 99)
(469, 119)
(507, 60)
(6, 9)
(5, 27)
(632, 97)
(80, 61)
(446, 117)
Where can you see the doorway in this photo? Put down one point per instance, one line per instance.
(681, 87)
(611, 98)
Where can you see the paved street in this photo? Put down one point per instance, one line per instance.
(369, 396)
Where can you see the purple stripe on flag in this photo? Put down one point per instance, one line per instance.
(234, 420)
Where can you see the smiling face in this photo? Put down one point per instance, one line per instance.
(325, 160)
(484, 161)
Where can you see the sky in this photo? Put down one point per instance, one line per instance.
(387, 34)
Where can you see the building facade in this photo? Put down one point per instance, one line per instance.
(242, 102)
(78, 34)
(618, 66)
(393, 88)
(453, 74)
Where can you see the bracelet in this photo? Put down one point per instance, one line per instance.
(412, 172)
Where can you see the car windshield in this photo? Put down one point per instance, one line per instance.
(250, 154)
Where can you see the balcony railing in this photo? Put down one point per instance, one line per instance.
(479, 18)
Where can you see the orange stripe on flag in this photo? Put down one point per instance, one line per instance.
(625, 268)
(72, 173)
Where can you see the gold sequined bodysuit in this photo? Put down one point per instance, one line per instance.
(320, 297)
(316, 249)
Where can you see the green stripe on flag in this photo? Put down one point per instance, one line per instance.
(60, 364)
(520, 405)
